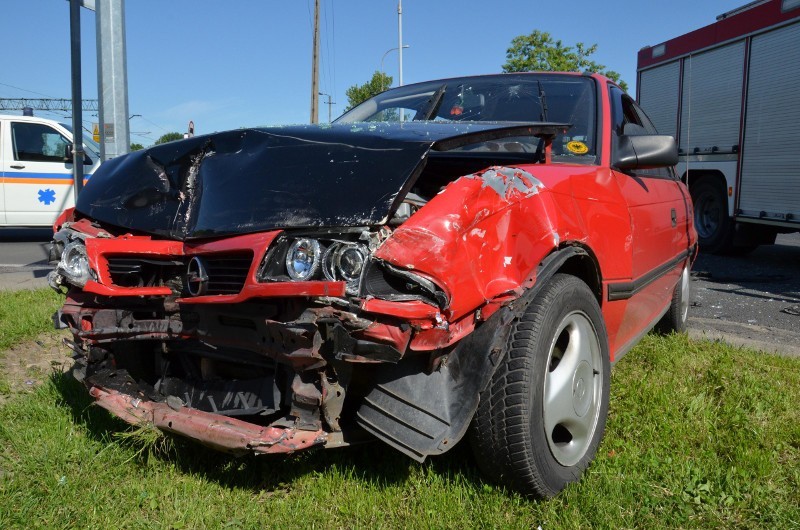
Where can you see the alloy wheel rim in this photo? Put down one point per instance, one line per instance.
(685, 294)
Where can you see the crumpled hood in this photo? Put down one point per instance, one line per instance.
(252, 180)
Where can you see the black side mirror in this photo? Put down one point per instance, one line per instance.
(645, 152)
(69, 156)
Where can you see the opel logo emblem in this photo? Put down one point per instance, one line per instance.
(196, 277)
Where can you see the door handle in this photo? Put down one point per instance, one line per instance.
(18, 166)
(674, 217)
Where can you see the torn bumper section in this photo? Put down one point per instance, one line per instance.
(263, 377)
(218, 432)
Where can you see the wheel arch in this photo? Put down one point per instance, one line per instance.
(691, 177)
(585, 266)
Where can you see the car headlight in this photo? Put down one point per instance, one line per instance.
(316, 259)
(344, 262)
(74, 264)
(303, 259)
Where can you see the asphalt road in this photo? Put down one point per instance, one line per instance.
(752, 300)
(23, 257)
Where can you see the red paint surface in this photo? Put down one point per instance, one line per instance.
(220, 432)
(252, 290)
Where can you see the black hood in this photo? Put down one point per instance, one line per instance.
(252, 180)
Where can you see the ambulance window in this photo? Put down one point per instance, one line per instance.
(34, 142)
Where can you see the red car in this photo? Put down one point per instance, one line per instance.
(458, 256)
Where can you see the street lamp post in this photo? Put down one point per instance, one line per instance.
(384, 57)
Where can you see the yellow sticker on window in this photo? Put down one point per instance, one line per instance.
(579, 148)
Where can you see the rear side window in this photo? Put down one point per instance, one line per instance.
(34, 142)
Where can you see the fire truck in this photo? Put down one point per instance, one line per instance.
(729, 93)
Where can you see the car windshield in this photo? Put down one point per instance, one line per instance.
(525, 98)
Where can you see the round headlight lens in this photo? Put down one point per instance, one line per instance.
(303, 258)
(75, 264)
(350, 261)
(344, 262)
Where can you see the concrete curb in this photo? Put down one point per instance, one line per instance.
(762, 338)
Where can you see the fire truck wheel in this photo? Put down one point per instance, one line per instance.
(715, 228)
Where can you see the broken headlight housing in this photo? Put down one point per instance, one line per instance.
(316, 259)
(74, 264)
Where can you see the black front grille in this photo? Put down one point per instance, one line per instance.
(227, 274)
(143, 272)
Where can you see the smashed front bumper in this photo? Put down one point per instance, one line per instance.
(218, 432)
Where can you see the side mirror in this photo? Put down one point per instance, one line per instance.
(69, 156)
(645, 152)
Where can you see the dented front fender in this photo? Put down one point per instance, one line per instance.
(481, 238)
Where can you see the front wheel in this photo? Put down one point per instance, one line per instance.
(541, 419)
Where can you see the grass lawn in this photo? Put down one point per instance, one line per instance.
(23, 316)
(699, 435)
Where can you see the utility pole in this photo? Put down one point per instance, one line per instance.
(77, 114)
(329, 103)
(315, 67)
(112, 78)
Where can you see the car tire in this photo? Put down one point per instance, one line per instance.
(541, 418)
(677, 316)
(715, 228)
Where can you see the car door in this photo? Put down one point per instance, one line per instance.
(37, 180)
(659, 215)
(3, 151)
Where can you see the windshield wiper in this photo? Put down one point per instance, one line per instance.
(432, 105)
(543, 101)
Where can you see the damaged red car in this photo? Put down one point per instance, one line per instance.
(462, 258)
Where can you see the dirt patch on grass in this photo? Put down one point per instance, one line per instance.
(26, 365)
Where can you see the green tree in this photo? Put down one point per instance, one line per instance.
(359, 93)
(136, 147)
(169, 137)
(540, 52)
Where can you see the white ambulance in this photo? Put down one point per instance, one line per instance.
(36, 171)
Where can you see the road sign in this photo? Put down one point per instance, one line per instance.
(96, 132)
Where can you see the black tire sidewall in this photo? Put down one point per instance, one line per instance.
(722, 239)
(673, 320)
(564, 295)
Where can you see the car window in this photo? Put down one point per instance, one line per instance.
(90, 146)
(35, 142)
(629, 119)
(527, 98)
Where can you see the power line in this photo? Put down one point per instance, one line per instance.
(154, 124)
(333, 38)
(326, 57)
(25, 90)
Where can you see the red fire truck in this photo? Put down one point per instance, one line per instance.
(730, 94)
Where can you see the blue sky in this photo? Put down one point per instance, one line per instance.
(248, 62)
